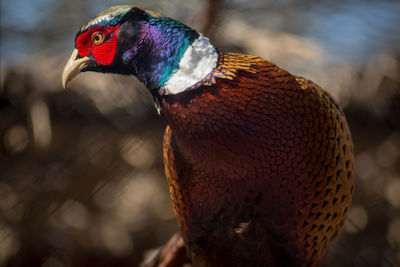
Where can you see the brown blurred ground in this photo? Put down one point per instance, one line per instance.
(81, 175)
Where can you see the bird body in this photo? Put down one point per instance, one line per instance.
(256, 161)
(259, 162)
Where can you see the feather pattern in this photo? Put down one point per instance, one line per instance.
(258, 160)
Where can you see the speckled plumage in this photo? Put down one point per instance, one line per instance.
(259, 164)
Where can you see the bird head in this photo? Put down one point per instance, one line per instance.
(130, 40)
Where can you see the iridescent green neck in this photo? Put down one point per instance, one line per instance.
(159, 49)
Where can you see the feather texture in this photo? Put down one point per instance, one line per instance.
(259, 164)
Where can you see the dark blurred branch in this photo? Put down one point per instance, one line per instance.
(209, 18)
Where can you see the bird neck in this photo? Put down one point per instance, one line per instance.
(156, 55)
(180, 56)
(199, 59)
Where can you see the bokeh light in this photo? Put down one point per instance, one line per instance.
(81, 171)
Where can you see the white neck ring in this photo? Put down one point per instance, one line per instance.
(199, 59)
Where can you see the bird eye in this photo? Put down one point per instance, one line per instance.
(97, 38)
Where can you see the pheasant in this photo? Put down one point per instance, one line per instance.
(259, 162)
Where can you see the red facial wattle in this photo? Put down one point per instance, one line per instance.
(103, 53)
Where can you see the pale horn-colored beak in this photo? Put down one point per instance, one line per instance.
(73, 67)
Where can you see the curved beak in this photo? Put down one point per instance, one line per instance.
(73, 67)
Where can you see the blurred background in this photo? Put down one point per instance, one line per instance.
(81, 174)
